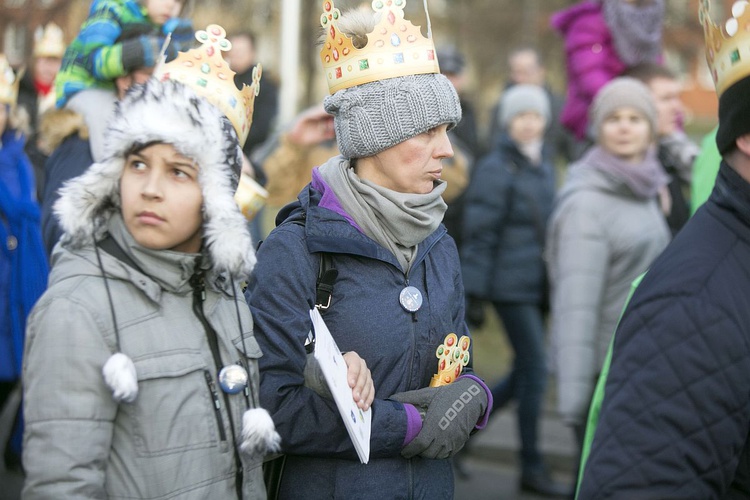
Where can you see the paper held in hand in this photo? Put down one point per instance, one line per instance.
(332, 363)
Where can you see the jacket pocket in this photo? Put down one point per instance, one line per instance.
(174, 411)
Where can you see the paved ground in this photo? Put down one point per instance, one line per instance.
(494, 480)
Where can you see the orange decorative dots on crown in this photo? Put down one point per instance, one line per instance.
(394, 48)
(728, 46)
(205, 71)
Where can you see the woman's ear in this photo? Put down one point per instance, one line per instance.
(743, 144)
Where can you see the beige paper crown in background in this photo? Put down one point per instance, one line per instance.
(208, 74)
(728, 46)
(9, 81)
(394, 48)
(48, 41)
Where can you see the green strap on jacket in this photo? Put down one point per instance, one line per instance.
(596, 400)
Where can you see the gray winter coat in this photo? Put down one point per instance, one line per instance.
(171, 442)
(599, 239)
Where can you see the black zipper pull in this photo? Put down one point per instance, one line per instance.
(212, 388)
(198, 284)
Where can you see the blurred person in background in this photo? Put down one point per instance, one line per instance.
(92, 61)
(507, 206)
(525, 66)
(37, 91)
(606, 229)
(242, 58)
(288, 159)
(602, 39)
(63, 134)
(465, 141)
(23, 265)
(676, 151)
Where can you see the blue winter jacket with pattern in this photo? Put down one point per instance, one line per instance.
(365, 316)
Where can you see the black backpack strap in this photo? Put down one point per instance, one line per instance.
(327, 274)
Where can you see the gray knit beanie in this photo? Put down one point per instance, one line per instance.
(622, 92)
(523, 99)
(375, 116)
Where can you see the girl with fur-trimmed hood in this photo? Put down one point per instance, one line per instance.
(141, 374)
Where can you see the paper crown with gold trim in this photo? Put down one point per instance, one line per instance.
(727, 46)
(9, 81)
(394, 48)
(205, 71)
(48, 41)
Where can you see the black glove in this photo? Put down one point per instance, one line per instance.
(141, 52)
(314, 378)
(450, 414)
(474, 312)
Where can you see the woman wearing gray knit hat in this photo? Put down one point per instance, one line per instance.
(508, 203)
(606, 229)
(374, 214)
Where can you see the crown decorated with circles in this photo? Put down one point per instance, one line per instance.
(727, 46)
(48, 41)
(394, 48)
(205, 71)
(9, 81)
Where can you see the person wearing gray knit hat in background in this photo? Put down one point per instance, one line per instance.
(374, 214)
(606, 229)
(524, 98)
(508, 203)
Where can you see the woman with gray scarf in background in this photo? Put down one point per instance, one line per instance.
(376, 212)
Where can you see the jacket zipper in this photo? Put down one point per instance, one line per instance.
(197, 281)
(217, 405)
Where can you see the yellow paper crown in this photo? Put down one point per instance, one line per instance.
(394, 48)
(8, 82)
(205, 71)
(48, 41)
(728, 46)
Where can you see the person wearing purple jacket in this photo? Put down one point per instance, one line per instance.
(602, 39)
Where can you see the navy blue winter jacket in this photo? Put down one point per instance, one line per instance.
(675, 418)
(508, 203)
(69, 160)
(365, 316)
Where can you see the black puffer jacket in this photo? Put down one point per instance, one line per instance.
(675, 418)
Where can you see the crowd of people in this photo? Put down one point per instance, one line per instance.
(152, 347)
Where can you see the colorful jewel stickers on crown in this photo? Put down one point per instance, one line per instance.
(453, 355)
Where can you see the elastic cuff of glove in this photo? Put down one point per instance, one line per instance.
(413, 423)
(485, 418)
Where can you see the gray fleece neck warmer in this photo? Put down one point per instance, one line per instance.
(397, 221)
(372, 117)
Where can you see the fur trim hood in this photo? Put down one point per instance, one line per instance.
(56, 125)
(167, 112)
